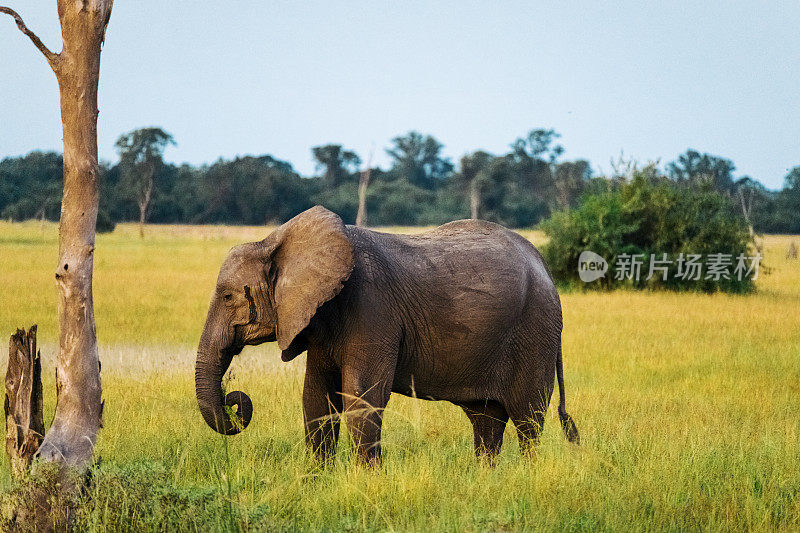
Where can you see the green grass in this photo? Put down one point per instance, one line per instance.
(687, 406)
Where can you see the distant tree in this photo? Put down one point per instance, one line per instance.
(570, 181)
(343, 200)
(252, 190)
(141, 155)
(507, 198)
(336, 163)
(748, 193)
(538, 144)
(398, 202)
(185, 198)
(30, 186)
(786, 215)
(535, 157)
(792, 180)
(721, 172)
(693, 167)
(418, 159)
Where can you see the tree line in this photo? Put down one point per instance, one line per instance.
(421, 186)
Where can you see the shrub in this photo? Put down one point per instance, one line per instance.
(645, 218)
(104, 222)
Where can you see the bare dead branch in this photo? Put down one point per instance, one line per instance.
(52, 59)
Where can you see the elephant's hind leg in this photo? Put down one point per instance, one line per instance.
(529, 426)
(528, 417)
(489, 420)
(529, 394)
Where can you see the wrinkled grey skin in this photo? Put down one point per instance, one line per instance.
(466, 313)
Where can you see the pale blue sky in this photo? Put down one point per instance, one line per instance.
(228, 78)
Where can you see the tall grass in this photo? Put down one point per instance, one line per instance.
(687, 406)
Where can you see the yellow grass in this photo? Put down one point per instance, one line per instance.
(687, 405)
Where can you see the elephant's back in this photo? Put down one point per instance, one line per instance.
(471, 266)
(454, 237)
(473, 246)
(519, 247)
(470, 296)
(470, 237)
(469, 225)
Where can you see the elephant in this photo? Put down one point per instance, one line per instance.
(466, 312)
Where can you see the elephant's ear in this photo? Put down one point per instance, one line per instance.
(314, 258)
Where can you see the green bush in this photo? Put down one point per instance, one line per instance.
(649, 216)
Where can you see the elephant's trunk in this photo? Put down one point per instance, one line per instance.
(212, 363)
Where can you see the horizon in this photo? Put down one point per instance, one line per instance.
(642, 80)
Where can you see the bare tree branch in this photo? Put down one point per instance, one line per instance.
(52, 58)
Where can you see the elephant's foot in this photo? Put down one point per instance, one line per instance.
(489, 420)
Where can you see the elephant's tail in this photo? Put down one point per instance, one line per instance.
(570, 429)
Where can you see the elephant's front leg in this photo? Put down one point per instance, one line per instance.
(366, 393)
(322, 406)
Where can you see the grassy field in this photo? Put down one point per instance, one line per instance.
(688, 407)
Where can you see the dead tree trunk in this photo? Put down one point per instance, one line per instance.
(23, 401)
(746, 210)
(71, 438)
(144, 204)
(363, 183)
(474, 199)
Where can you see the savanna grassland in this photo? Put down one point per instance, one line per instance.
(688, 406)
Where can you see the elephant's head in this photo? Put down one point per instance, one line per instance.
(267, 291)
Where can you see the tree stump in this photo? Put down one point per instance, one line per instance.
(23, 401)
